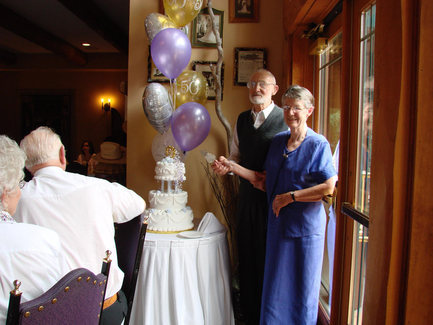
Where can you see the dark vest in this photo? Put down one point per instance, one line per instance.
(254, 143)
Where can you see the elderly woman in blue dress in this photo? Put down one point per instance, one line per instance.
(299, 173)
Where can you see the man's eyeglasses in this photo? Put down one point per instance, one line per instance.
(261, 84)
(294, 108)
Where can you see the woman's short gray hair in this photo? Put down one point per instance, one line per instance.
(299, 93)
(41, 146)
(12, 160)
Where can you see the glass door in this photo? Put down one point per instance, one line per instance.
(363, 175)
(329, 126)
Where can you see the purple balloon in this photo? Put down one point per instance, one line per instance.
(171, 52)
(190, 125)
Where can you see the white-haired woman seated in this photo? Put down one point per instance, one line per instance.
(28, 253)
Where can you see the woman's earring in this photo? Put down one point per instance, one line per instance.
(5, 205)
(4, 201)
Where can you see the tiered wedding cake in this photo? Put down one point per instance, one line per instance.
(168, 212)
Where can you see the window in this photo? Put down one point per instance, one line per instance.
(366, 91)
(329, 126)
(364, 144)
(330, 91)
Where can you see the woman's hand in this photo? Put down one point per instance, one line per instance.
(260, 181)
(280, 201)
(221, 166)
(311, 194)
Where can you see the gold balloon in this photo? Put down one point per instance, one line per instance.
(191, 86)
(182, 11)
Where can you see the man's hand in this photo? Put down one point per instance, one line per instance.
(260, 183)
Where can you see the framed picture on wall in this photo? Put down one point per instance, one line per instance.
(202, 34)
(247, 61)
(153, 73)
(243, 11)
(204, 68)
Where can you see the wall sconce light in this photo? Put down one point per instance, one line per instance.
(106, 106)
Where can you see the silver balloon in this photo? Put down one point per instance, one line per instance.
(154, 23)
(161, 142)
(157, 106)
(185, 29)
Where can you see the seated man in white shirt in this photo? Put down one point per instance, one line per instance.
(80, 209)
(28, 253)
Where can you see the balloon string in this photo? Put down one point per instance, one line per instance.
(171, 89)
(174, 89)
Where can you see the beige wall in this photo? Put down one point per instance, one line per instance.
(268, 34)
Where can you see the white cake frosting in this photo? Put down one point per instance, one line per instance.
(167, 211)
(169, 170)
(163, 201)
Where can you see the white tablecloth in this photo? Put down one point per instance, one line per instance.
(184, 281)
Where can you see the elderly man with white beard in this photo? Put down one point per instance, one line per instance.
(253, 133)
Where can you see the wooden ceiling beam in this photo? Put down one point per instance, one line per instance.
(33, 33)
(302, 13)
(93, 17)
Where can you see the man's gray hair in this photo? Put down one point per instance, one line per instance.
(41, 146)
(12, 160)
(299, 93)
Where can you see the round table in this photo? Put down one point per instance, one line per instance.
(184, 281)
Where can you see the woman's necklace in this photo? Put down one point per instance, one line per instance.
(6, 217)
(293, 143)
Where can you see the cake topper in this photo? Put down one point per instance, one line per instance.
(210, 158)
(170, 151)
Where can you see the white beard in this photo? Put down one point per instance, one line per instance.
(257, 100)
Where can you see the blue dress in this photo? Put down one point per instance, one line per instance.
(295, 240)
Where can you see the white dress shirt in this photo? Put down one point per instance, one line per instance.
(82, 211)
(258, 119)
(32, 255)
